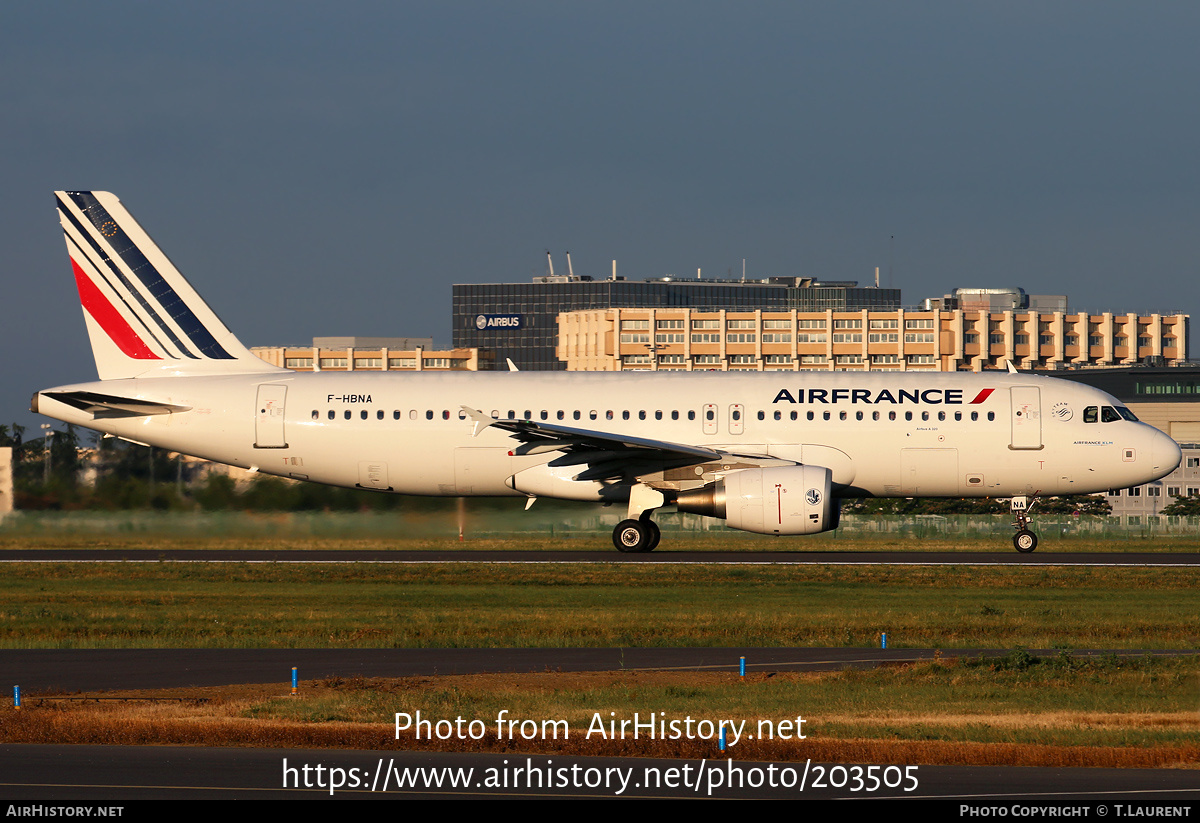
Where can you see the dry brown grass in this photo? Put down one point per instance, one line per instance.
(220, 720)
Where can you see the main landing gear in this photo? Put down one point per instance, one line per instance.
(639, 533)
(1024, 540)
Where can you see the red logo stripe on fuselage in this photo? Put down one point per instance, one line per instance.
(979, 398)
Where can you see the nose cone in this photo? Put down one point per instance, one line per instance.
(1165, 454)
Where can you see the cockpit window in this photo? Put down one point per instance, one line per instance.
(1127, 414)
(1108, 414)
(1091, 414)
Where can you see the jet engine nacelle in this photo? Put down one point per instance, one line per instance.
(775, 500)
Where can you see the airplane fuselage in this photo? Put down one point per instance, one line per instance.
(887, 435)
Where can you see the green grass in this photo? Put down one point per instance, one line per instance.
(564, 527)
(167, 605)
(1052, 701)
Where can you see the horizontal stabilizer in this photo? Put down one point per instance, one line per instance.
(102, 406)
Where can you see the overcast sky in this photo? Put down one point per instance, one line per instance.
(331, 169)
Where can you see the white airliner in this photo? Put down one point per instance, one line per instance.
(770, 452)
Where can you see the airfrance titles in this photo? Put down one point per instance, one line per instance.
(948, 397)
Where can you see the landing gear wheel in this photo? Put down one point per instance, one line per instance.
(1025, 541)
(635, 536)
(655, 535)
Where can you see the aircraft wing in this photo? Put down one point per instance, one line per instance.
(605, 455)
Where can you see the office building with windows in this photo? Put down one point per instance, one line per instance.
(937, 339)
(373, 354)
(519, 321)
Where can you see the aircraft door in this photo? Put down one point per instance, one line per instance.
(1026, 417)
(709, 415)
(268, 420)
(737, 418)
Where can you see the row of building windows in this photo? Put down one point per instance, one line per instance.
(750, 323)
(374, 362)
(1156, 491)
(779, 359)
(786, 337)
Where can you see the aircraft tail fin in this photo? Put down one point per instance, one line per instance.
(143, 317)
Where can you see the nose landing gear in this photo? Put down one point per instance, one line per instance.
(1024, 540)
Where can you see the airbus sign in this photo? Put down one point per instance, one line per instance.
(498, 321)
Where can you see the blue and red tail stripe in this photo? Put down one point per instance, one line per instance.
(147, 275)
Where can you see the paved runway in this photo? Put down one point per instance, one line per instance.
(72, 670)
